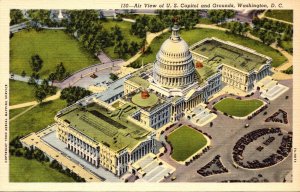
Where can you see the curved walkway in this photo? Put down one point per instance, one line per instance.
(31, 103)
(22, 113)
(149, 38)
(125, 70)
(263, 15)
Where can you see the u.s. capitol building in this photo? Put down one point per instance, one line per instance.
(115, 130)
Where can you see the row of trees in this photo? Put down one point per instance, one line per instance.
(41, 17)
(89, 30)
(218, 16)
(94, 37)
(55, 165)
(16, 149)
(185, 18)
(73, 94)
(122, 47)
(165, 18)
(238, 28)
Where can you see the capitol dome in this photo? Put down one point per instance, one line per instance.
(174, 66)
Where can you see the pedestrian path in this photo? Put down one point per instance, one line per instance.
(31, 103)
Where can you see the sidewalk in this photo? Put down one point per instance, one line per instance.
(51, 98)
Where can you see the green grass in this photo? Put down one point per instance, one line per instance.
(24, 170)
(206, 21)
(186, 141)
(150, 101)
(289, 70)
(125, 28)
(196, 35)
(140, 81)
(107, 127)
(14, 112)
(238, 108)
(287, 46)
(285, 15)
(53, 46)
(20, 92)
(36, 119)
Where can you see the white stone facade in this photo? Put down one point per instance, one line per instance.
(174, 66)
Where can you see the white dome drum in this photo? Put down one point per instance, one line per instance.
(174, 66)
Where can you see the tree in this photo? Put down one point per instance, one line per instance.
(134, 47)
(36, 63)
(267, 37)
(143, 45)
(52, 77)
(23, 74)
(33, 79)
(113, 76)
(125, 47)
(16, 16)
(117, 33)
(119, 49)
(40, 94)
(217, 16)
(73, 94)
(45, 84)
(41, 16)
(60, 72)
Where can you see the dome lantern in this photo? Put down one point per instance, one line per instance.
(175, 33)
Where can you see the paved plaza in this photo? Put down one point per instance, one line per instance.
(225, 133)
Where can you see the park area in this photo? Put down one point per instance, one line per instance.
(35, 119)
(24, 170)
(284, 15)
(238, 108)
(128, 37)
(53, 47)
(185, 142)
(20, 92)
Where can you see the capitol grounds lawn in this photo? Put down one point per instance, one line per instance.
(53, 46)
(20, 92)
(14, 112)
(185, 142)
(125, 27)
(35, 119)
(238, 108)
(24, 170)
(285, 15)
(195, 35)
